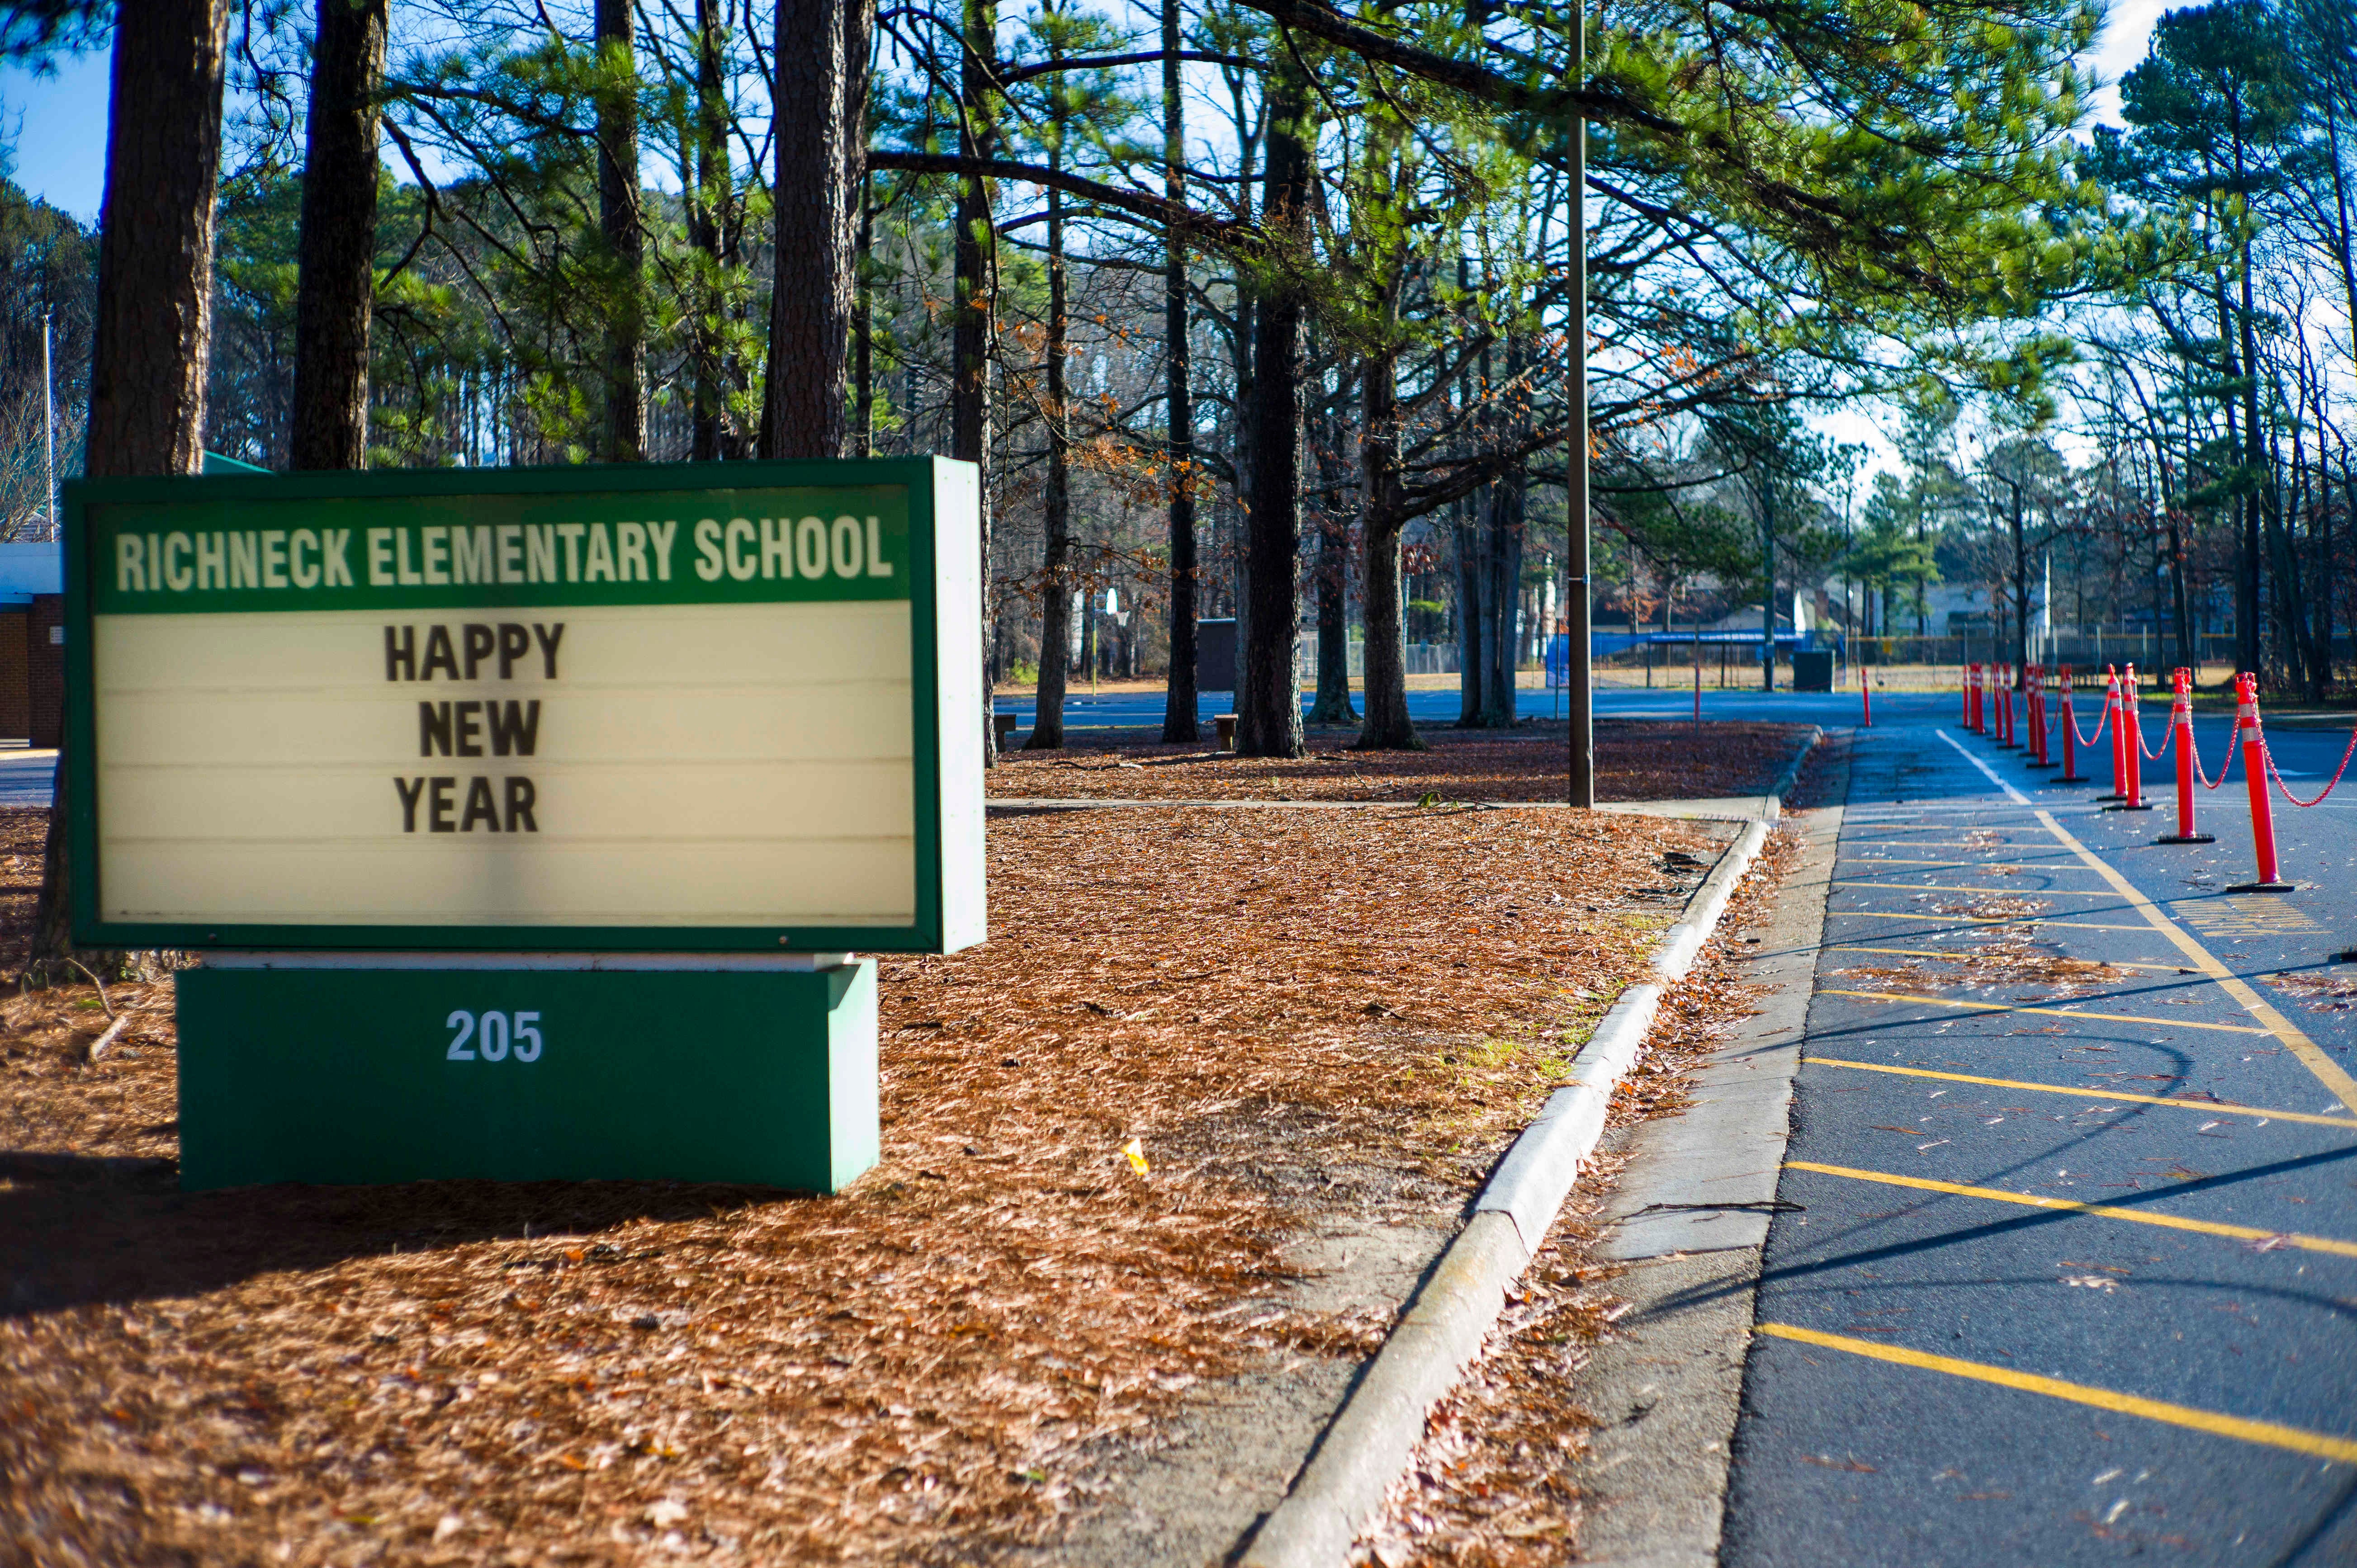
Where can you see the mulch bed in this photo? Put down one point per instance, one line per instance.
(1493, 1483)
(1288, 1012)
(1635, 760)
(23, 837)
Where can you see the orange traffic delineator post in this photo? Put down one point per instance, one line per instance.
(2181, 730)
(1865, 698)
(2069, 774)
(2254, 768)
(2112, 724)
(2007, 674)
(2131, 749)
(1966, 685)
(2040, 755)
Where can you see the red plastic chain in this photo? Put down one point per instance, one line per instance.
(2149, 754)
(2088, 740)
(2277, 777)
(2224, 768)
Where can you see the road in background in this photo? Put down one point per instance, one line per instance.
(26, 777)
(1143, 710)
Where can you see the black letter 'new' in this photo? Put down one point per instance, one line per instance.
(515, 727)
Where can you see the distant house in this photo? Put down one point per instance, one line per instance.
(32, 643)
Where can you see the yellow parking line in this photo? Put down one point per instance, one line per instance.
(2327, 1071)
(2049, 1011)
(2215, 1107)
(2108, 1211)
(1980, 919)
(1932, 844)
(1952, 865)
(1947, 887)
(2269, 1434)
(1960, 954)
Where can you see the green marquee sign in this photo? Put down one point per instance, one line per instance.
(693, 707)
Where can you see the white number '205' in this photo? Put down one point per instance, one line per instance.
(495, 1034)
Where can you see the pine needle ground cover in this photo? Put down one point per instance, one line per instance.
(1495, 1482)
(1635, 760)
(1192, 1036)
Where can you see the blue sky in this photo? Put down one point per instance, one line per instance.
(56, 126)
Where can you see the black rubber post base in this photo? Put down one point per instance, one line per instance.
(2073, 778)
(2264, 887)
(2131, 806)
(2040, 764)
(2346, 956)
(2107, 797)
(2187, 838)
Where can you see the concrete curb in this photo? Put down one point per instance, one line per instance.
(1791, 774)
(1371, 1440)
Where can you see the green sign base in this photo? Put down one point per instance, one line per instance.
(365, 1075)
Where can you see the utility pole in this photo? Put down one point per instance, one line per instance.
(1579, 693)
(48, 432)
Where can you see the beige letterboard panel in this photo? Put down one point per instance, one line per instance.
(745, 764)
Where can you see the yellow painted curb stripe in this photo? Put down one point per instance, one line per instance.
(1977, 920)
(1959, 954)
(2218, 1107)
(2109, 1211)
(2049, 1011)
(2271, 1434)
(1947, 887)
(2327, 1071)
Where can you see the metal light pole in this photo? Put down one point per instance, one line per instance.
(1579, 686)
(48, 432)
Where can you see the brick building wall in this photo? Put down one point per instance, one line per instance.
(45, 675)
(15, 693)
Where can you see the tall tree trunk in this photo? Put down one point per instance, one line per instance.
(859, 221)
(1504, 596)
(863, 335)
(1179, 722)
(974, 305)
(1768, 578)
(2179, 607)
(1056, 595)
(707, 205)
(1268, 699)
(1332, 704)
(1508, 507)
(618, 222)
(1473, 551)
(336, 289)
(2323, 555)
(820, 102)
(1387, 726)
(152, 337)
(1228, 542)
(2249, 652)
(1472, 577)
(2021, 594)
